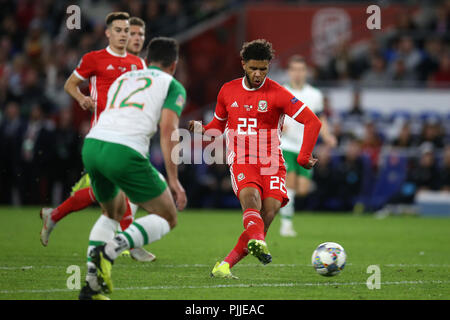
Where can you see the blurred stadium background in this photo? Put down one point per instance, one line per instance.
(387, 93)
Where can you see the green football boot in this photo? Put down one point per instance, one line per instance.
(222, 270)
(84, 182)
(104, 268)
(259, 249)
(87, 293)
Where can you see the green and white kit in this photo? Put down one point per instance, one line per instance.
(292, 137)
(115, 152)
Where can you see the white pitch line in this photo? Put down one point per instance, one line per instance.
(241, 285)
(272, 265)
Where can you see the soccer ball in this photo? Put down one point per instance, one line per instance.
(329, 259)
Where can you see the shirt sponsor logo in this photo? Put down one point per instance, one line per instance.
(110, 67)
(234, 105)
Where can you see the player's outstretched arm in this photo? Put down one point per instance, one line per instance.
(310, 134)
(72, 88)
(169, 138)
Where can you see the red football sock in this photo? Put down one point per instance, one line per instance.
(254, 224)
(127, 218)
(254, 229)
(239, 251)
(81, 199)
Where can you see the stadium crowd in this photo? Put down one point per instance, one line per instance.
(42, 129)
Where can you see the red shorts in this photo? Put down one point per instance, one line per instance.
(269, 185)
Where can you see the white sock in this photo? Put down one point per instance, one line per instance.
(103, 230)
(287, 212)
(134, 208)
(143, 231)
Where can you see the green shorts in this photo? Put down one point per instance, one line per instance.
(113, 166)
(293, 166)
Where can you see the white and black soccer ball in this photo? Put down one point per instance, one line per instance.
(329, 259)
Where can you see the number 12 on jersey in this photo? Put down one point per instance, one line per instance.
(125, 102)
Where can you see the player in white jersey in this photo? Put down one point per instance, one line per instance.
(115, 154)
(297, 177)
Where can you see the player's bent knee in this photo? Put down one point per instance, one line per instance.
(250, 199)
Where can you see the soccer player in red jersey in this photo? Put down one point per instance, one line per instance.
(250, 111)
(126, 35)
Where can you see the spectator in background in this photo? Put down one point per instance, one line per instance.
(36, 158)
(404, 24)
(408, 52)
(400, 76)
(36, 44)
(33, 92)
(341, 65)
(440, 24)
(445, 172)
(425, 174)
(356, 108)
(431, 58)
(342, 137)
(372, 143)
(422, 174)
(349, 173)
(175, 20)
(377, 75)
(152, 19)
(441, 78)
(403, 62)
(432, 133)
(364, 59)
(12, 129)
(405, 138)
(67, 163)
(324, 178)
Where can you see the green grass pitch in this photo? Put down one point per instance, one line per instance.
(413, 254)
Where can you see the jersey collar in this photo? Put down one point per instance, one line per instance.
(109, 50)
(154, 67)
(252, 89)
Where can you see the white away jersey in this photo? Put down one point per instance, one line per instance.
(134, 105)
(292, 136)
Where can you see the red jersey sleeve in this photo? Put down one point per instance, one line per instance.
(86, 67)
(300, 112)
(220, 114)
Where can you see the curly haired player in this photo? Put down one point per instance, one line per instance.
(250, 110)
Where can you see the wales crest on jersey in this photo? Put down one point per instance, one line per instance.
(262, 106)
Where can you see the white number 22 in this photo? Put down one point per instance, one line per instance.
(277, 183)
(249, 123)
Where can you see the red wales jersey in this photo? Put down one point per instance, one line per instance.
(101, 68)
(254, 120)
